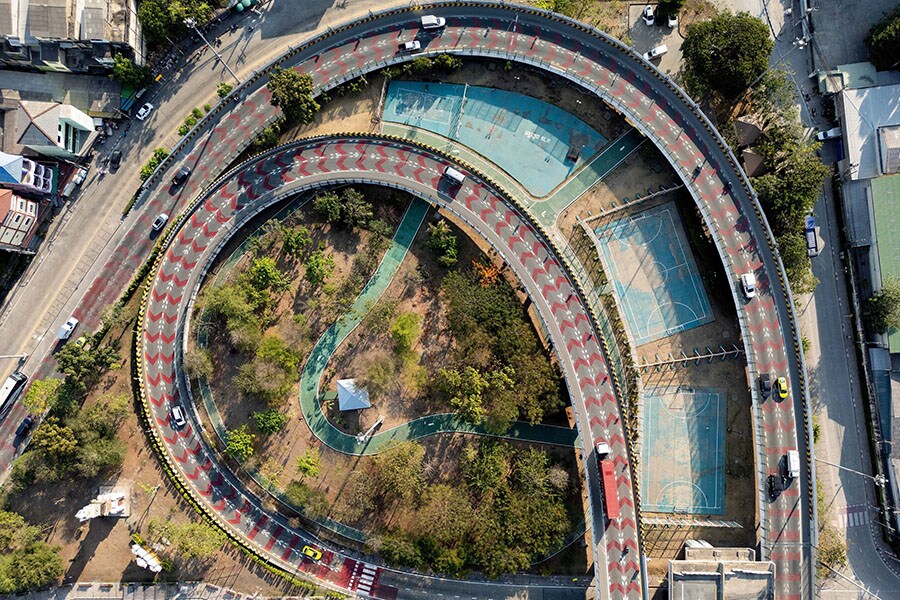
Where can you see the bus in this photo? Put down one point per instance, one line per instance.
(10, 392)
(610, 494)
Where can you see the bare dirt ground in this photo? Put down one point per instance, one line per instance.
(99, 549)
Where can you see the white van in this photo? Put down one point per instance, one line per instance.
(454, 175)
(792, 464)
(748, 285)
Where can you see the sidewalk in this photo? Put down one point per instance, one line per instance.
(137, 591)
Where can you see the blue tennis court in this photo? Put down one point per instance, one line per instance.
(655, 276)
(684, 451)
(537, 143)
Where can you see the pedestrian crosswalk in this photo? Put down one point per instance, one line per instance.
(853, 515)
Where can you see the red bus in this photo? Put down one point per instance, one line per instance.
(610, 495)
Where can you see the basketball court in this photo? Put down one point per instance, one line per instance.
(684, 451)
(655, 277)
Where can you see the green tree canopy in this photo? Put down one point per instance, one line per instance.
(882, 310)
(883, 41)
(190, 540)
(25, 562)
(128, 73)
(328, 204)
(310, 463)
(292, 92)
(270, 421)
(724, 55)
(319, 267)
(356, 211)
(239, 443)
(42, 395)
(442, 241)
(405, 332)
(399, 471)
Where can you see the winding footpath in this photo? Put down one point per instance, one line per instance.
(601, 65)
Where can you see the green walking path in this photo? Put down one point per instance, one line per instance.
(417, 428)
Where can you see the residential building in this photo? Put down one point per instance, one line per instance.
(50, 129)
(25, 175)
(74, 36)
(18, 222)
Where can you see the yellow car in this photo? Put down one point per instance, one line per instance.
(312, 553)
(781, 387)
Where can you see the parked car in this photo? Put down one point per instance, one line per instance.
(181, 176)
(656, 52)
(672, 21)
(765, 385)
(79, 176)
(781, 387)
(115, 159)
(25, 426)
(648, 16)
(160, 221)
(313, 553)
(411, 46)
(831, 134)
(144, 112)
(432, 22)
(66, 329)
(178, 420)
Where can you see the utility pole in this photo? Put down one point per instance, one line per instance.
(193, 25)
(879, 479)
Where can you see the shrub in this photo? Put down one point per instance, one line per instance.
(270, 421)
(159, 155)
(223, 89)
(239, 443)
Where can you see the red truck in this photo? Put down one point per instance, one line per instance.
(610, 495)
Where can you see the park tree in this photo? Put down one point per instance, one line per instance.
(724, 55)
(310, 463)
(356, 211)
(264, 275)
(328, 204)
(34, 566)
(295, 241)
(198, 363)
(189, 541)
(312, 501)
(445, 515)
(163, 20)
(398, 470)
(405, 332)
(319, 267)
(239, 443)
(56, 439)
(882, 311)
(443, 242)
(128, 73)
(42, 395)
(270, 421)
(883, 41)
(83, 365)
(467, 388)
(486, 465)
(292, 91)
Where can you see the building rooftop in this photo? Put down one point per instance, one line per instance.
(870, 118)
(720, 574)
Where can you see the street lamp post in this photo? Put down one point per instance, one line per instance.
(879, 479)
(193, 25)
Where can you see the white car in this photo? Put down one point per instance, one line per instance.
(648, 16)
(79, 176)
(144, 112)
(66, 329)
(160, 221)
(432, 22)
(673, 21)
(410, 46)
(829, 135)
(178, 420)
(748, 285)
(656, 52)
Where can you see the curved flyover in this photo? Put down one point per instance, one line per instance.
(234, 199)
(657, 108)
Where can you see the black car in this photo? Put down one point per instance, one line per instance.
(115, 159)
(765, 385)
(774, 485)
(24, 427)
(181, 176)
